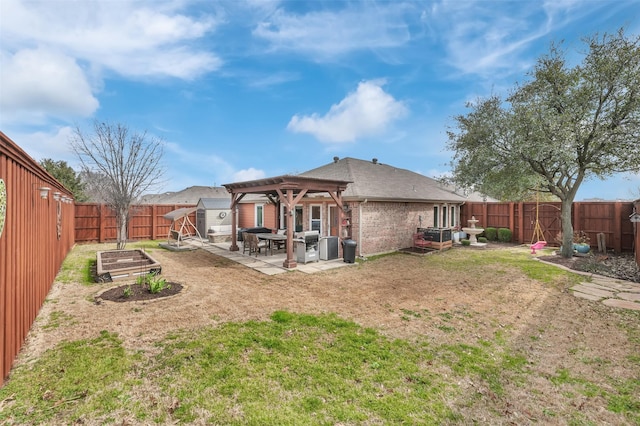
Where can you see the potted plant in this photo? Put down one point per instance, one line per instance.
(581, 242)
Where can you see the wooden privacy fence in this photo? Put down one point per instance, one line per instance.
(593, 218)
(97, 222)
(38, 233)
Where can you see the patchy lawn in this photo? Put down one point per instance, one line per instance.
(463, 336)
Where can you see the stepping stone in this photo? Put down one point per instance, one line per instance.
(583, 288)
(625, 304)
(612, 283)
(634, 297)
(598, 286)
(586, 296)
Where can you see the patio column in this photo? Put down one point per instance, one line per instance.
(234, 221)
(290, 261)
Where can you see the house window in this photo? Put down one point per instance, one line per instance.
(445, 218)
(454, 220)
(436, 216)
(315, 218)
(297, 218)
(259, 215)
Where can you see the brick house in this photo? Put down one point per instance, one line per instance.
(382, 206)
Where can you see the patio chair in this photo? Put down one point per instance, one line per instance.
(280, 244)
(255, 245)
(245, 243)
(419, 242)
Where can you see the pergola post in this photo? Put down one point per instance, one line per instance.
(290, 261)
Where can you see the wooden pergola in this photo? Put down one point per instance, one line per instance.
(287, 190)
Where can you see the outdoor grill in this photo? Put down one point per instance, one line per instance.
(307, 246)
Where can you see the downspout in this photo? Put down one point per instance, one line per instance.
(360, 224)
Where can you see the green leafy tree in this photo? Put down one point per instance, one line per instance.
(66, 176)
(564, 126)
(123, 164)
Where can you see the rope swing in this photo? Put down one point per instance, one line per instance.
(538, 234)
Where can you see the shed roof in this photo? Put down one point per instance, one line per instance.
(215, 203)
(377, 181)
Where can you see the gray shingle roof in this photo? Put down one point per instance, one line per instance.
(376, 181)
(189, 195)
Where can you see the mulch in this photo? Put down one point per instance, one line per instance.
(138, 292)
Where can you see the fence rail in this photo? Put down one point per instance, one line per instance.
(593, 218)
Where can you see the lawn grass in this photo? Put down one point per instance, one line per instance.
(500, 261)
(296, 369)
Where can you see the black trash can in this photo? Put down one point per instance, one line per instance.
(349, 251)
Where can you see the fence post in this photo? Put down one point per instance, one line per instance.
(617, 226)
(101, 211)
(154, 213)
(521, 222)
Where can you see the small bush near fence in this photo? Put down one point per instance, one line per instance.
(504, 235)
(491, 234)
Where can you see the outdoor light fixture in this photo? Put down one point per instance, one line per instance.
(56, 196)
(44, 192)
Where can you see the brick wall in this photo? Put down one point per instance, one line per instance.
(388, 226)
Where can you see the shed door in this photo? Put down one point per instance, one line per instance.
(201, 222)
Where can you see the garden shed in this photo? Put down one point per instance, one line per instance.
(213, 218)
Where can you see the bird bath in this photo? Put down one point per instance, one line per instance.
(473, 231)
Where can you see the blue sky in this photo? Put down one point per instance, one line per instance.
(241, 90)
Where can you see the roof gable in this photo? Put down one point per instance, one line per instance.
(377, 181)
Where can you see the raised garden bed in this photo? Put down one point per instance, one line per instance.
(122, 264)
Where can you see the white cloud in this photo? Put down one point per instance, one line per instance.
(367, 111)
(490, 38)
(53, 144)
(40, 82)
(248, 174)
(54, 54)
(118, 36)
(326, 34)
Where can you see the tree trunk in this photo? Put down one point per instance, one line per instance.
(123, 222)
(567, 228)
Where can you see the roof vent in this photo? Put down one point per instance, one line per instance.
(335, 159)
(374, 161)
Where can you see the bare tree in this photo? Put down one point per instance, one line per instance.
(129, 164)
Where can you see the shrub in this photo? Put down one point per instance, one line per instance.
(504, 235)
(155, 283)
(465, 242)
(491, 234)
(482, 240)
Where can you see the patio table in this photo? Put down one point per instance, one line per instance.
(271, 238)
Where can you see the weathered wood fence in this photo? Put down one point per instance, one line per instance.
(609, 218)
(97, 222)
(37, 235)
